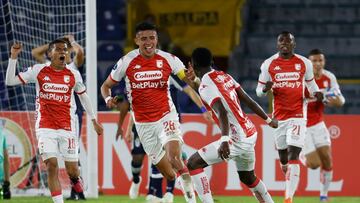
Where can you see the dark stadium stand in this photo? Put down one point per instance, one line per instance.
(333, 26)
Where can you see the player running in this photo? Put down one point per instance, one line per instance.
(222, 94)
(317, 149)
(146, 71)
(286, 74)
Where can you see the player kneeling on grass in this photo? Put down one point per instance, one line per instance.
(55, 111)
(223, 95)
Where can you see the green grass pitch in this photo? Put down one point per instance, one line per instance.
(179, 199)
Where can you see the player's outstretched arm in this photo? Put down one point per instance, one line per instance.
(255, 107)
(86, 103)
(123, 108)
(129, 134)
(224, 149)
(11, 77)
(196, 99)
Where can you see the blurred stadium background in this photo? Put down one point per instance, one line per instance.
(240, 33)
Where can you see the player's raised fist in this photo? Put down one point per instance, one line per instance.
(16, 49)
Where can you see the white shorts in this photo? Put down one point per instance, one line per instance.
(154, 136)
(290, 132)
(54, 143)
(244, 157)
(316, 136)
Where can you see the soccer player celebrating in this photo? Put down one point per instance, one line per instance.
(55, 111)
(222, 94)
(147, 71)
(317, 143)
(39, 53)
(138, 153)
(286, 74)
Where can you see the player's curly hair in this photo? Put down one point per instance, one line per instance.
(315, 52)
(202, 57)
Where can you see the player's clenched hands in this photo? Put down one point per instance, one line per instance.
(273, 123)
(268, 86)
(111, 102)
(190, 74)
(97, 127)
(224, 150)
(319, 96)
(15, 50)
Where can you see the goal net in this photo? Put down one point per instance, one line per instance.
(33, 23)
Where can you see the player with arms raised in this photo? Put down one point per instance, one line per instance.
(55, 111)
(286, 75)
(146, 72)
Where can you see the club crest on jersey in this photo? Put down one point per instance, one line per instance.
(66, 78)
(297, 66)
(159, 63)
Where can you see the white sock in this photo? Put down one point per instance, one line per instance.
(325, 179)
(187, 186)
(202, 185)
(292, 178)
(58, 199)
(260, 192)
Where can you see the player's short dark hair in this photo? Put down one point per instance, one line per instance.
(56, 41)
(285, 32)
(142, 26)
(315, 52)
(202, 57)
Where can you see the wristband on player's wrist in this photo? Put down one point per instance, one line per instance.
(225, 138)
(203, 109)
(268, 120)
(197, 80)
(107, 99)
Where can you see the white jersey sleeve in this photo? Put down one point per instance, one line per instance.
(175, 63)
(30, 75)
(309, 77)
(263, 78)
(79, 87)
(209, 92)
(118, 71)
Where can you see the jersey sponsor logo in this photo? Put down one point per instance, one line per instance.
(290, 76)
(287, 84)
(148, 84)
(54, 97)
(148, 75)
(53, 87)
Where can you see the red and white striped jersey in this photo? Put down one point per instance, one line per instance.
(147, 83)
(316, 108)
(217, 85)
(55, 103)
(288, 76)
